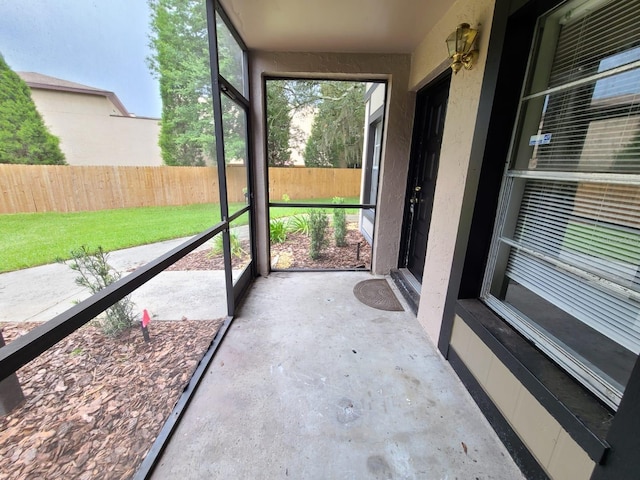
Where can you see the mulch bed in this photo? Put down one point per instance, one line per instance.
(95, 404)
(206, 260)
(293, 253)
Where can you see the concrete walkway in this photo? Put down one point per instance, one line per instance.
(309, 383)
(41, 293)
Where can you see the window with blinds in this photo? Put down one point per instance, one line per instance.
(564, 267)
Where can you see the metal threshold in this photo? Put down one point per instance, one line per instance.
(409, 286)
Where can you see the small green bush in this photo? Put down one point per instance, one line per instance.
(95, 273)
(277, 230)
(318, 224)
(236, 246)
(299, 224)
(339, 223)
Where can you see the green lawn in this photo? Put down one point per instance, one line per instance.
(30, 239)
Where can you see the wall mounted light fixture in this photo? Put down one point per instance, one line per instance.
(461, 47)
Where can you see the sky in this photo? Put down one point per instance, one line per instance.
(103, 44)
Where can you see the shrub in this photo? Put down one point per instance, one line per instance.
(236, 246)
(339, 223)
(277, 230)
(318, 224)
(95, 273)
(299, 224)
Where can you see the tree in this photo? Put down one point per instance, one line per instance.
(180, 61)
(337, 132)
(24, 138)
(278, 124)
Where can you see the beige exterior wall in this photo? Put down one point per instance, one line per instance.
(396, 145)
(428, 61)
(560, 456)
(92, 133)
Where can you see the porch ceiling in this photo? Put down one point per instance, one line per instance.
(354, 26)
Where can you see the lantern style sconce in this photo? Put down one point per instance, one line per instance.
(461, 47)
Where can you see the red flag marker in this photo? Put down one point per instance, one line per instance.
(146, 319)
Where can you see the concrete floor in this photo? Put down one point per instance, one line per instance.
(309, 383)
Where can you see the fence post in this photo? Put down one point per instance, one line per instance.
(10, 390)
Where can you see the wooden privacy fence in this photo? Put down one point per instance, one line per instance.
(306, 183)
(58, 188)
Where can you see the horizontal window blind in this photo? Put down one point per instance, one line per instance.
(566, 228)
(585, 41)
(578, 221)
(613, 316)
(590, 136)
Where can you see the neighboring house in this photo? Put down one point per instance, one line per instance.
(93, 125)
(301, 124)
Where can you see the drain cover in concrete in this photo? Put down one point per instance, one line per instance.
(377, 294)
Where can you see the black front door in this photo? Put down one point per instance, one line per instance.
(431, 106)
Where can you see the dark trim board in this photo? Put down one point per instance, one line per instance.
(577, 411)
(516, 448)
(623, 460)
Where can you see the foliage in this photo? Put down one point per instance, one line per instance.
(278, 230)
(24, 138)
(95, 273)
(337, 132)
(180, 61)
(299, 224)
(236, 246)
(318, 224)
(278, 125)
(339, 223)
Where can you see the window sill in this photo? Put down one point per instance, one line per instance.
(585, 419)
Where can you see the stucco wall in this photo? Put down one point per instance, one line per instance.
(429, 59)
(395, 154)
(90, 134)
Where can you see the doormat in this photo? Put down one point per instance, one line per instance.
(378, 294)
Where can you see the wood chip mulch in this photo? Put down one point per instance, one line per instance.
(293, 253)
(95, 404)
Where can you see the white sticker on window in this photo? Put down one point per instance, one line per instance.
(542, 139)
